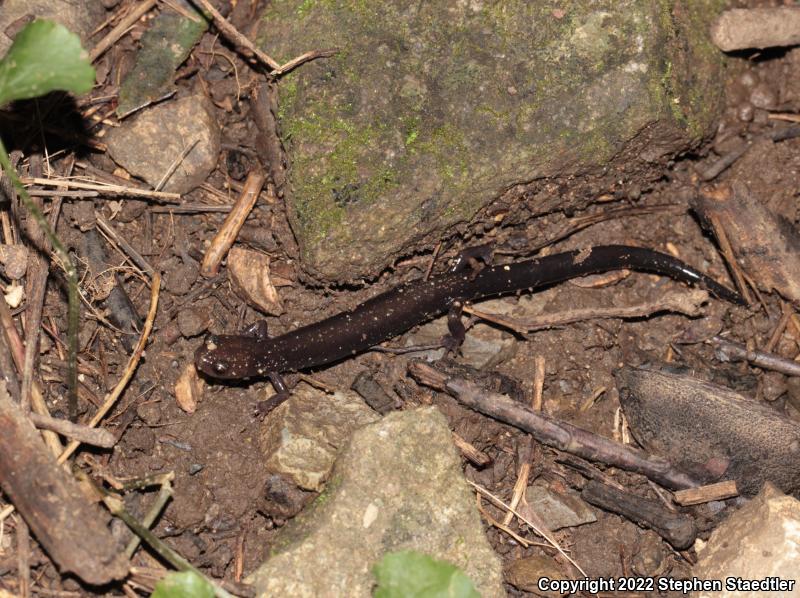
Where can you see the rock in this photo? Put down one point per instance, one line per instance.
(483, 348)
(282, 499)
(432, 110)
(397, 486)
(757, 542)
(193, 322)
(15, 260)
(651, 560)
(558, 509)
(149, 143)
(179, 278)
(149, 413)
(525, 573)
(78, 17)
(302, 437)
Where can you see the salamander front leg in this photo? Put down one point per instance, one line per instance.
(457, 331)
(281, 394)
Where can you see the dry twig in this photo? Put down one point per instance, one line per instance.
(139, 9)
(104, 188)
(230, 229)
(542, 532)
(111, 399)
(688, 303)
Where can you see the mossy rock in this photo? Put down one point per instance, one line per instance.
(433, 110)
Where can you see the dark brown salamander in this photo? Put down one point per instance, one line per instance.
(252, 354)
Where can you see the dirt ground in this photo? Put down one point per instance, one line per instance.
(217, 519)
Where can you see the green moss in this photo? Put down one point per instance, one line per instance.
(305, 7)
(686, 24)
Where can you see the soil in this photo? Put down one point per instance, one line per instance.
(216, 518)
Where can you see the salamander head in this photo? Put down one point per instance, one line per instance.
(229, 356)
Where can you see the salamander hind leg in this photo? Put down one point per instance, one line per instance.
(457, 331)
(473, 259)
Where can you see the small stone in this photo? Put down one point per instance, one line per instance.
(147, 144)
(180, 278)
(283, 499)
(302, 437)
(558, 509)
(397, 485)
(525, 573)
(748, 79)
(149, 413)
(651, 558)
(774, 386)
(763, 96)
(78, 17)
(744, 112)
(192, 322)
(484, 346)
(14, 294)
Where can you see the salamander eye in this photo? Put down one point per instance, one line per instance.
(219, 367)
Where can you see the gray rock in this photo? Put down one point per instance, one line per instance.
(432, 110)
(398, 485)
(558, 509)
(149, 143)
(758, 541)
(302, 437)
(484, 347)
(78, 17)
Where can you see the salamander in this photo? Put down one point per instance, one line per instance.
(254, 354)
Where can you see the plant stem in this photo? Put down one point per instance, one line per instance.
(73, 310)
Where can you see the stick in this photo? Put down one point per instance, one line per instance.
(129, 370)
(248, 48)
(676, 528)
(122, 27)
(230, 229)
(105, 188)
(94, 436)
(72, 532)
(766, 361)
(696, 496)
(105, 226)
(688, 303)
(542, 532)
(551, 432)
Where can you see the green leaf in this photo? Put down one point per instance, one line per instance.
(411, 574)
(186, 584)
(44, 57)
